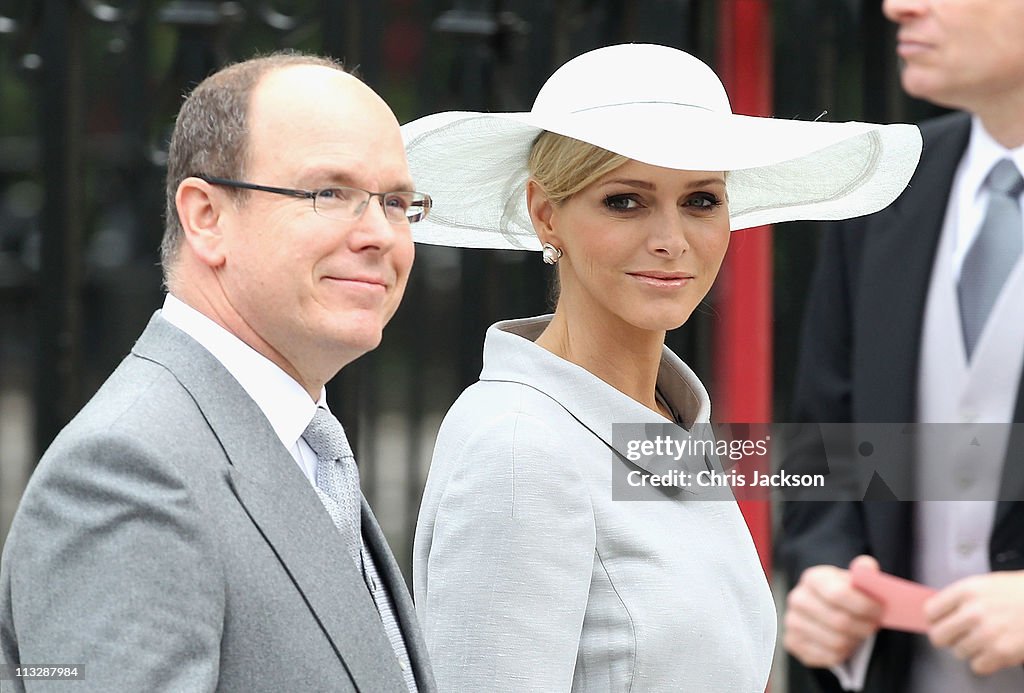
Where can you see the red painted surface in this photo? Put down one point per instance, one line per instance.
(743, 292)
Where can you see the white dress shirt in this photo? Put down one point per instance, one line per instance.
(968, 199)
(287, 406)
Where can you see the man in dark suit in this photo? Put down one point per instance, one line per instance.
(199, 526)
(890, 337)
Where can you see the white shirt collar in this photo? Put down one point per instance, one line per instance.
(282, 400)
(968, 199)
(983, 152)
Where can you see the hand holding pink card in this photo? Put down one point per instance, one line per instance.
(903, 600)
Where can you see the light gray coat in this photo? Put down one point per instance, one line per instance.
(528, 576)
(168, 541)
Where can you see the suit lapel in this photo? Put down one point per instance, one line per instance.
(282, 505)
(889, 343)
(405, 611)
(897, 254)
(1009, 524)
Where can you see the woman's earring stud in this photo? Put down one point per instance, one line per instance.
(551, 254)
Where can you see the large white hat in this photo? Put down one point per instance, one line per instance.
(660, 106)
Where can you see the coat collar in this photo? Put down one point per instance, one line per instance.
(510, 355)
(285, 508)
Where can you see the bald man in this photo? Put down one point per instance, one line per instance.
(187, 531)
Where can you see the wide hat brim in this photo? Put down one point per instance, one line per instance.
(474, 165)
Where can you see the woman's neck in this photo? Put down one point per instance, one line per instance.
(622, 355)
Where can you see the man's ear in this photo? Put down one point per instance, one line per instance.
(200, 210)
(542, 210)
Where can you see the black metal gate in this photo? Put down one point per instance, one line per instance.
(88, 92)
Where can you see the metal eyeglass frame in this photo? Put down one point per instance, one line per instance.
(421, 204)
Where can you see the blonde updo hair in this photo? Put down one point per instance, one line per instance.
(563, 166)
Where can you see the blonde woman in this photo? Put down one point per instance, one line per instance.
(629, 174)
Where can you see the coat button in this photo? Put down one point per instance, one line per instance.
(965, 479)
(966, 548)
(1006, 556)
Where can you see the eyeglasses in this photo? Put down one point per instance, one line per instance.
(343, 203)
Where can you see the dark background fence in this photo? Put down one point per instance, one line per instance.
(88, 92)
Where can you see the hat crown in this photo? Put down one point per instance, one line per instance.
(631, 73)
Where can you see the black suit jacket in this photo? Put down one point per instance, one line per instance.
(859, 357)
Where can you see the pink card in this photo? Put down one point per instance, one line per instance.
(903, 600)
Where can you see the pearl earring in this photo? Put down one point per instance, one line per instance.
(551, 254)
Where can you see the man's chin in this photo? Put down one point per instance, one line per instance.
(358, 342)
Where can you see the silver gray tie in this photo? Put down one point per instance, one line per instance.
(337, 478)
(994, 252)
(337, 484)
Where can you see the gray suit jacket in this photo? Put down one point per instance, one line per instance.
(530, 575)
(167, 541)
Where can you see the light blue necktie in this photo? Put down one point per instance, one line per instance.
(994, 252)
(337, 478)
(337, 484)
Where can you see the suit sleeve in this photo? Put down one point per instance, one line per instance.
(509, 569)
(109, 565)
(823, 532)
